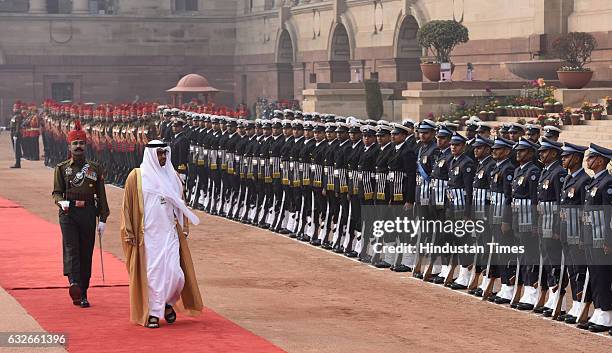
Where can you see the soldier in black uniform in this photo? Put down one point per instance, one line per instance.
(295, 177)
(427, 154)
(317, 162)
(367, 183)
(549, 199)
(78, 191)
(286, 208)
(502, 265)
(481, 201)
(306, 190)
(524, 202)
(330, 201)
(402, 182)
(274, 154)
(439, 185)
(471, 127)
(341, 185)
(354, 154)
(573, 195)
(180, 148)
(459, 196)
(17, 136)
(598, 238)
(532, 132)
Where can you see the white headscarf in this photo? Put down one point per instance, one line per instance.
(164, 181)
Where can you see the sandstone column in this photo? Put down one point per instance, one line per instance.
(80, 6)
(38, 6)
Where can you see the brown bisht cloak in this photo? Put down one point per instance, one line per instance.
(132, 226)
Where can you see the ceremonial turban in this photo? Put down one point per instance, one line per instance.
(77, 134)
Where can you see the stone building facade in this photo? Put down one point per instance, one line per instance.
(123, 50)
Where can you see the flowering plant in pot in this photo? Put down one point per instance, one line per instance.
(575, 117)
(576, 49)
(441, 37)
(586, 109)
(608, 100)
(558, 107)
(597, 110)
(566, 116)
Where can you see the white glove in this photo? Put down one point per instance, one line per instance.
(101, 227)
(64, 205)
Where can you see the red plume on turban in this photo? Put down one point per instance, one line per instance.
(77, 134)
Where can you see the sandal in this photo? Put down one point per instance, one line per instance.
(171, 316)
(152, 322)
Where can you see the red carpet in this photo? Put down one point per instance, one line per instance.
(31, 271)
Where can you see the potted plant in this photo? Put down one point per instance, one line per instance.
(441, 37)
(597, 110)
(558, 107)
(608, 100)
(586, 110)
(575, 117)
(575, 48)
(566, 116)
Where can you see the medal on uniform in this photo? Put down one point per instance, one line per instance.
(456, 171)
(68, 170)
(593, 192)
(571, 192)
(441, 163)
(481, 174)
(546, 184)
(521, 180)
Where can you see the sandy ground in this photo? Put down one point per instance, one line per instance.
(305, 299)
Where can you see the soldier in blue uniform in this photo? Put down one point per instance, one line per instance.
(549, 199)
(552, 132)
(524, 202)
(598, 238)
(481, 199)
(532, 132)
(573, 194)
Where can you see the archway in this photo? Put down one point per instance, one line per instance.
(284, 62)
(340, 54)
(407, 51)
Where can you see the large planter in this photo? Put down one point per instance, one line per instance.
(534, 69)
(431, 71)
(575, 119)
(587, 115)
(596, 115)
(574, 79)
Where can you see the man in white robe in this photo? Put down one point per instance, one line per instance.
(159, 194)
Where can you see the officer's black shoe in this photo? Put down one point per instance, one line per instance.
(547, 312)
(610, 332)
(432, 278)
(478, 292)
(401, 268)
(84, 303)
(200, 207)
(292, 235)
(15, 166)
(501, 301)
(584, 325)
(524, 306)
(599, 328)
(315, 242)
(514, 305)
(305, 238)
(264, 226)
(562, 316)
(366, 259)
(457, 286)
(382, 264)
(284, 231)
(418, 275)
(339, 250)
(326, 245)
(539, 309)
(438, 280)
(351, 253)
(75, 293)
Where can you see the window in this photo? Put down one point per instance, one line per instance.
(62, 91)
(185, 5)
(102, 7)
(59, 6)
(14, 5)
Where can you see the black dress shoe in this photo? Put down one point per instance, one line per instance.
(401, 268)
(418, 275)
(351, 253)
(501, 301)
(431, 278)
(524, 306)
(610, 332)
(584, 325)
(382, 264)
(15, 166)
(547, 313)
(326, 245)
(75, 293)
(284, 231)
(305, 238)
(599, 328)
(292, 235)
(438, 280)
(539, 309)
(457, 286)
(315, 242)
(570, 319)
(84, 303)
(472, 291)
(339, 250)
(562, 316)
(366, 259)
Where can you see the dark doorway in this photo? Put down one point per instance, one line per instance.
(340, 55)
(62, 91)
(286, 89)
(408, 52)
